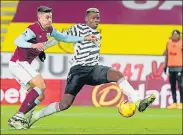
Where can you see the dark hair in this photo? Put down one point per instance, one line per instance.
(176, 32)
(44, 9)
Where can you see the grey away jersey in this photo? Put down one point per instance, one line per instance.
(86, 53)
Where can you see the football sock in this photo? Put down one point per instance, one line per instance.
(32, 105)
(30, 100)
(128, 90)
(55, 107)
(48, 110)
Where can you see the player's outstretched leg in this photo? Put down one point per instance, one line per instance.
(50, 109)
(127, 89)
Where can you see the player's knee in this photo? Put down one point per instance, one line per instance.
(38, 82)
(114, 75)
(119, 75)
(42, 87)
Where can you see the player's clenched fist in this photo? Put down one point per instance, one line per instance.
(39, 46)
(90, 38)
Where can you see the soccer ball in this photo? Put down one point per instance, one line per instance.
(127, 109)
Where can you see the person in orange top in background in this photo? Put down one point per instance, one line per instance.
(174, 66)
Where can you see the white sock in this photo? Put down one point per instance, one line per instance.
(37, 102)
(48, 110)
(128, 90)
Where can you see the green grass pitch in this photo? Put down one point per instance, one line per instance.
(103, 120)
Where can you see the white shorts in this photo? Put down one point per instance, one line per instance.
(23, 72)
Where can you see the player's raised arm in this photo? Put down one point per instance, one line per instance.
(67, 38)
(72, 31)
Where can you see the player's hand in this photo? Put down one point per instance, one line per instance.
(92, 38)
(39, 46)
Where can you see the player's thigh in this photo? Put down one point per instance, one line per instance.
(23, 72)
(99, 75)
(74, 84)
(37, 80)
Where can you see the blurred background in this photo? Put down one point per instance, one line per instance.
(134, 38)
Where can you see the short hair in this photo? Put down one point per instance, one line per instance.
(92, 10)
(44, 9)
(176, 32)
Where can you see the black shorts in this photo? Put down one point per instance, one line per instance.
(90, 75)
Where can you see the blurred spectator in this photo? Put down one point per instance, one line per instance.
(174, 66)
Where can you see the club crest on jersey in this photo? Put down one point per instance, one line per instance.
(40, 36)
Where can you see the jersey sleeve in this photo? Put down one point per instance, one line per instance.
(64, 37)
(21, 41)
(51, 43)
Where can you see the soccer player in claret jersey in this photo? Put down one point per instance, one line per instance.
(31, 44)
(85, 70)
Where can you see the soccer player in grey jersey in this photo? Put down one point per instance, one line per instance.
(31, 44)
(86, 70)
